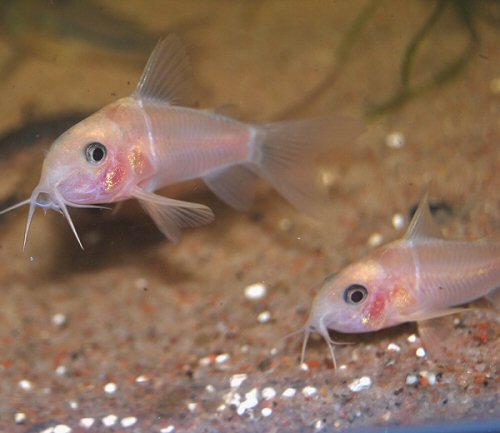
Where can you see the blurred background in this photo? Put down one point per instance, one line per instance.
(137, 334)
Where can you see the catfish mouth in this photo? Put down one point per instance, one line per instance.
(48, 198)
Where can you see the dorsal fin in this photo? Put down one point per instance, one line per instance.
(423, 225)
(167, 75)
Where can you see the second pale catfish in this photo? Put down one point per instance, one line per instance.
(144, 142)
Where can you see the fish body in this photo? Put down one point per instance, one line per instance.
(148, 140)
(419, 277)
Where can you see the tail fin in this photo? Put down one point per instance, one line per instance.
(287, 153)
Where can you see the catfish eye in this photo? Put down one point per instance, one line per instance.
(355, 294)
(95, 153)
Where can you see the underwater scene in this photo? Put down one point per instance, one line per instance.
(249, 216)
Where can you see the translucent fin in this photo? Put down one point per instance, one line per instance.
(423, 225)
(434, 335)
(170, 215)
(167, 75)
(287, 153)
(234, 185)
(431, 314)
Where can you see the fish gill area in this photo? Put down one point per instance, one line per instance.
(136, 334)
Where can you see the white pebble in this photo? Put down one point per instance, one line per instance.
(237, 379)
(192, 406)
(309, 391)
(255, 291)
(268, 393)
(342, 367)
(110, 388)
(264, 317)
(304, 367)
(109, 420)
(266, 411)
(361, 384)
(395, 140)
(223, 357)
(210, 388)
(411, 379)
(251, 400)
(420, 352)
(128, 421)
(319, 424)
(141, 379)
(61, 370)
(168, 429)
(412, 338)
(73, 404)
(87, 422)
(59, 319)
(205, 361)
(20, 418)
(431, 377)
(141, 283)
(398, 221)
(289, 392)
(393, 347)
(375, 239)
(25, 384)
(62, 428)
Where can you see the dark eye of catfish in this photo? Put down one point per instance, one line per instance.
(95, 153)
(355, 294)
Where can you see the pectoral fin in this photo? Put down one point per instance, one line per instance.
(170, 215)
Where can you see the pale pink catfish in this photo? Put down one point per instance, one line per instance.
(143, 142)
(419, 277)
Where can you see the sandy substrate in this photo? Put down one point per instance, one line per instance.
(137, 334)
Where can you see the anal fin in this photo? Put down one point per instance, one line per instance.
(234, 185)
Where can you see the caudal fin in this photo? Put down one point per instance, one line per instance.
(287, 157)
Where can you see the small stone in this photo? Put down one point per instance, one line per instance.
(110, 388)
(128, 421)
(268, 393)
(412, 338)
(266, 411)
(398, 221)
(411, 379)
(289, 392)
(375, 240)
(255, 291)
(361, 384)
(61, 370)
(319, 424)
(59, 319)
(192, 406)
(73, 404)
(210, 388)
(223, 357)
(62, 428)
(168, 429)
(237, 379)
(420, 352)
(142, 379)
(309, 391)
(26, 385)
(87, 422)
(393, 347)
(395, 140)
(431, 377)
(264, 317)
(20, 418)
(110, 420)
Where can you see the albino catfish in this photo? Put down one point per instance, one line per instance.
(146, 141)
(417, 278)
